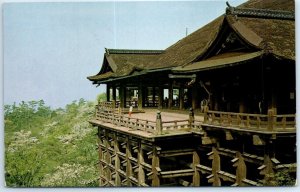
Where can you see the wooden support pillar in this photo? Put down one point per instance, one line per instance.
(114, 93)
(128, 162)
(170, 102)
(191, 118)
(158, 123)
(160, 97)
(155, 167)
(214, 102)
(205, 114)
(196, 176)
(241, 169)
(122, 96)
(271, 119)
(216, 167)
(107, 157)
(107, 92)
(181, 97)
(194, 97)
(141, 172)
(267, 169)
(153, 96)
(242, 107)
(117, 161)
(140, 96)
(100, 155)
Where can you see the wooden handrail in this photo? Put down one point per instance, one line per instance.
(108, 115)
(269, 122)
(262, 122)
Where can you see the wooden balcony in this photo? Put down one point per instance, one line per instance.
(268, 124)
(153, 148)
(148, 123)
(152, 123)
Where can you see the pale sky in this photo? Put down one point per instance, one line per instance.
(50, 48)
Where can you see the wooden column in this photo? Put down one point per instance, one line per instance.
(128, 162)
(214, 103)
(205, 114)
(107, 92)
(196, 176)
(153, 96)
(181, 97)
(140, 96)
(158, 123)
(160, 97)
(216, 167)
(191, 118)
(100, 155)
(155, 168)
(267, 170)
(170, 102)
(114, 94)
(195, 97)
(117, 161)
(242, 106)
(274, 102)
(241, 169)
(271, 119)
(107, 157)
(122, 96)
(141, 172)
(145, 98)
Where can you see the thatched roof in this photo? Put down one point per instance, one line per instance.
(264, 25)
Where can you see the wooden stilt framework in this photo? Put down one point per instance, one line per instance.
(125, 160)
(152, 155)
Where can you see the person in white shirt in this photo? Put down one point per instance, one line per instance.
(130, 110)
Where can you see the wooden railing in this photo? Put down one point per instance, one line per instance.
(269, 122)
(124, 121)
(108, 114)
(107, 105)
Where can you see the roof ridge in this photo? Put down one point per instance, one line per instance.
(260, 13)
(132, 51)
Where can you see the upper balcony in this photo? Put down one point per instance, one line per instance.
(153, 124)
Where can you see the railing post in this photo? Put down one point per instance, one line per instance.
(113, 105)
(283, 122)
(216, 167)
(191, 118)
(158, 123)
(248, 121)
(205, 114)
(196, 175)
(270, 119)
(241, 169)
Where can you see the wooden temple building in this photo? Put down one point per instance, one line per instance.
(217, 108)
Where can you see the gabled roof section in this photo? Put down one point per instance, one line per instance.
(264, 24)
(219, 61)
(132, 51)
(260, 25)
(122, 62)
(190, 47)
(261, 31)
(284, 5)
(272, 21)
(260, 13)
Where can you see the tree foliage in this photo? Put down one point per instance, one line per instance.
(45, 147)
(101, 97)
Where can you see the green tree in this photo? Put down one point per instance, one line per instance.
(101, 97)
(40, 143)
